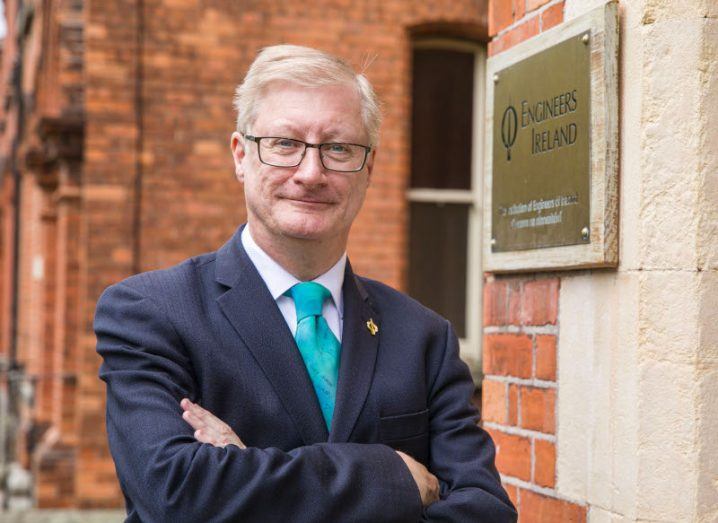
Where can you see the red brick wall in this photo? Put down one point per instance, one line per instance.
(520, 390)
(107, 199)
(48, 159)
(520, 386)
(6, 261)
(190, 61)
(513, 21)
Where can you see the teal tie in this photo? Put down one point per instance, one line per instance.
(317, 344)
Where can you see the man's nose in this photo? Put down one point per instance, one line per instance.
(311, 170)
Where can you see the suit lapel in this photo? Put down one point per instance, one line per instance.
(358, 357)
(254, 314)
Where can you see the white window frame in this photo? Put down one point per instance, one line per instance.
(471, 344)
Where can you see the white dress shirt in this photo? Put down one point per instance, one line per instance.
(279, 281)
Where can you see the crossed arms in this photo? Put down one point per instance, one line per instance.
(167, 474)
(209, 429)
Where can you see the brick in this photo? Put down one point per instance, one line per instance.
(537, 508)
(519, 9)
(539, 302)
(544, 463)
(546, 357)
(513, 454)
(513, 405)
(493, 401)
(515, 287)
(500, 15)
(532, 5)
(552, 16)
(508, 355)
(495, 303)
(517, 35)
(538, 409)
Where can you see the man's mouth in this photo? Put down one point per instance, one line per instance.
(309, 201)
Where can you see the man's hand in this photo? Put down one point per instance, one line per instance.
(425, 480)
(208, 428)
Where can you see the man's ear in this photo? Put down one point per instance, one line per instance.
(238, 153)
(370, 165)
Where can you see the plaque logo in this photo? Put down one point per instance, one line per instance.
(509, 128)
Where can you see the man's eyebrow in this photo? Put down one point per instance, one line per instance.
(282, 129)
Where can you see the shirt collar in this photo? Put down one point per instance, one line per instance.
(279, 281)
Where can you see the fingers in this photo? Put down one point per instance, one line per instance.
(426, 482)
(208, 427)
(201, 418)
(202, 437)
(433, 489)
(191, 416)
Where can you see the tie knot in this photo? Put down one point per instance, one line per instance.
(308, 298)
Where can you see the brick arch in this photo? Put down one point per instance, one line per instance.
(476, 32)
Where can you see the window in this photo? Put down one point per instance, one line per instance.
(445, 189)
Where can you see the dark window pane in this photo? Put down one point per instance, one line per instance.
(437, 250)
(442, 107)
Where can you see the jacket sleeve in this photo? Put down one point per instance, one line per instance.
(462, 453)
(166, 475)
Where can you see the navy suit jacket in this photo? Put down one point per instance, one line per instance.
(208, 329)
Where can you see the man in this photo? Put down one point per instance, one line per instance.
(324, 396)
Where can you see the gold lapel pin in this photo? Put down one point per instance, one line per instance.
(373, 328)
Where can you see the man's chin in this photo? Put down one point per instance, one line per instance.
(310, 230)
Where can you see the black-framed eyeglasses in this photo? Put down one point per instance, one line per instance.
(288, 152)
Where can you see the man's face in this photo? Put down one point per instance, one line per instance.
(308, 201)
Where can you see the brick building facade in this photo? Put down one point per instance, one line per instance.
(115, 132)
(123, 166)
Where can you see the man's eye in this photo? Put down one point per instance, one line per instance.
(285, 143)
(338, 148)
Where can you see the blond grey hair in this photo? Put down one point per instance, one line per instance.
(306, 67)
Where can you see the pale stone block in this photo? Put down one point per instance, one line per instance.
(669, 321)
(708, 321)
(631, 153)
(707, 502)
(597, 422)
(667, 454)
(668, 9)
(707, 509)
(708, 210)
(624, 386)
(574, 8)
(670, 143)
(708, 225)
(599, 515)
(574, 373)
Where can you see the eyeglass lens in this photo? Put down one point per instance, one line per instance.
(285, 152)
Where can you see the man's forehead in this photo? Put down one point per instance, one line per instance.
(334, 108)
(280, 91)
(320, 85)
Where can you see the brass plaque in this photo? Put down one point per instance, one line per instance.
(541, 146)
